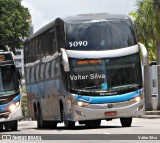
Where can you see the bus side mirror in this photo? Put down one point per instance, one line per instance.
(144, 54)
(65, 60)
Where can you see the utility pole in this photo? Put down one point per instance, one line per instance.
(156, 5)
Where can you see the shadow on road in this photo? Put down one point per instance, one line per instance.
(83, 127)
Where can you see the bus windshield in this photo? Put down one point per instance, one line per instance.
(100, 35)
(8, 80)
(105, 75)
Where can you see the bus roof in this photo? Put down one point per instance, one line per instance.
(94, 16)
(80, 18)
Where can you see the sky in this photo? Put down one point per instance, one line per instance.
(45, 11)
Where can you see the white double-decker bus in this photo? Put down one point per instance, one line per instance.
(85, 68)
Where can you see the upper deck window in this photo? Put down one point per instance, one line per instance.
(100, 35)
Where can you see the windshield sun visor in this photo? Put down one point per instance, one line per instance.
(103, 54)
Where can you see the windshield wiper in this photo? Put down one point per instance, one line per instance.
(90, 87)
(134, 87)
(84, 89)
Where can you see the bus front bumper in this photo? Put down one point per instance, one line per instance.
(10, 116)
(108, 111)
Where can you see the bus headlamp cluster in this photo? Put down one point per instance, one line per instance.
(82, 104)
(137, 99)
(13, 106)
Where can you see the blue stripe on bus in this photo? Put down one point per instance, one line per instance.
(4, 107)
(108, 99)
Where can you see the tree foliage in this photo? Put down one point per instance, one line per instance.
(147, 23)
(14, 24)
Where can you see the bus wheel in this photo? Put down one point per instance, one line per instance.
(1, 127)
(126, 122)
(50, 124)
(40, 122)
(93, 123)
(53, 124)
(13, 125)
(67, 124)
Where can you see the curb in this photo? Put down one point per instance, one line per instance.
(152, 114)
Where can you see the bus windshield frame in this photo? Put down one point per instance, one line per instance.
(102, 76)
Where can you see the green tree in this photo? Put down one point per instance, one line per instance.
(147, 23)
(14, 24)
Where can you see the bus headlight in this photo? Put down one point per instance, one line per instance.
(13, 106)
(137, 99)
(17, 104)
(82, 104)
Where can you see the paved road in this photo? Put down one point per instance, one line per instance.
(139, 126)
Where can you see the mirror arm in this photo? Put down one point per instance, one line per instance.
(144, 54)
(65, 60)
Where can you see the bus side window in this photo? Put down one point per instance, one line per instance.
(28, 77)
(53, 69)
(47, 70)
(32, 75)
(57, 70)
(42, 69)
(37, 73)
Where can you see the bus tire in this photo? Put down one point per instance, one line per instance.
(50, 124)
(67, 124)
(92, 123)
(40, 122)
(12, 125)
(1, 127)
(126, 122)
(53, 124)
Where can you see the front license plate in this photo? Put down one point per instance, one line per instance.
(111, 113)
